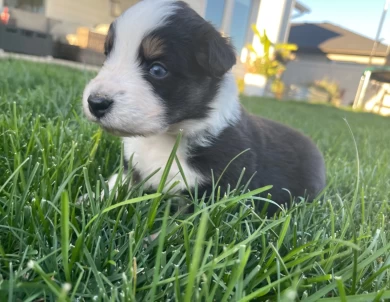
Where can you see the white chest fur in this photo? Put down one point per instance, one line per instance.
(152, 153)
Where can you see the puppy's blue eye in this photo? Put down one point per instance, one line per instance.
(158, 71)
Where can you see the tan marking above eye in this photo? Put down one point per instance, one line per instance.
(153, 47)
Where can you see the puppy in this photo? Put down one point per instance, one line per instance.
(168, 70)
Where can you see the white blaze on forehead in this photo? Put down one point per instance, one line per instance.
(139, 20)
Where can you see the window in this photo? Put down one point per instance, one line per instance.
(240, 23)
(215, 11)
(35, 6)
(236, 18)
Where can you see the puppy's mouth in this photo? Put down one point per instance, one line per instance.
(121, 132)
(125, 117)
(128, 131)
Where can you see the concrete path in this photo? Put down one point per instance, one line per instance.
(48, 60)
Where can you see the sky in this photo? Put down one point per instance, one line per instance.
(361, 16)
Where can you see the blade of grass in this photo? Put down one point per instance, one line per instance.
(195, 260)
(121, 204)
(154, 206)
(156, 274)
(65, 234)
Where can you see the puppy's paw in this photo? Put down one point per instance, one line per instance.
(110, 184)
(83, 199)
(150, 239)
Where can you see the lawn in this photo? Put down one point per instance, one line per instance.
(54, 248)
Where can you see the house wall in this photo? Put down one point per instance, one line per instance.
(90, 13)
(311, 57)
(285, 26)
(357, 59)
(28, 20)
(82, 12)
(274, 17)
(68, 14)
(303, 72)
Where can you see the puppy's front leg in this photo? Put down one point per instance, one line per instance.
(110, 184)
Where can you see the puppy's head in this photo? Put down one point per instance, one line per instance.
(164, 65)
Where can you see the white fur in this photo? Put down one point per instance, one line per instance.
(136, 108)
(152, 153)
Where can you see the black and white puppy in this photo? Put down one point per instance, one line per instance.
(167, 69)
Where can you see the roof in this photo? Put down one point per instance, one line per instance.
(331, 38)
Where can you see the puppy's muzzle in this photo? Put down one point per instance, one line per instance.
(99, 105)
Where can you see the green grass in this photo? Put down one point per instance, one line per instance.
(55, 248)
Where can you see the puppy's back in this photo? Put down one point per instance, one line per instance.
(287, 158)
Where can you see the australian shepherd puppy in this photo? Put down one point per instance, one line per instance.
(168, 70)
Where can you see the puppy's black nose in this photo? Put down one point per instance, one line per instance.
(99, 105)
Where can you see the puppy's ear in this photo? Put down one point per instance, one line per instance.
(214, 53)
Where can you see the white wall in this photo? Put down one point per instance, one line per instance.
(83, 12)
(271, 15)
(28, 20)
(91, 13)
(286, 21)
(79, 11)
(357, 59)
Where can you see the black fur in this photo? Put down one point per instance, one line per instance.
(278, 156)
